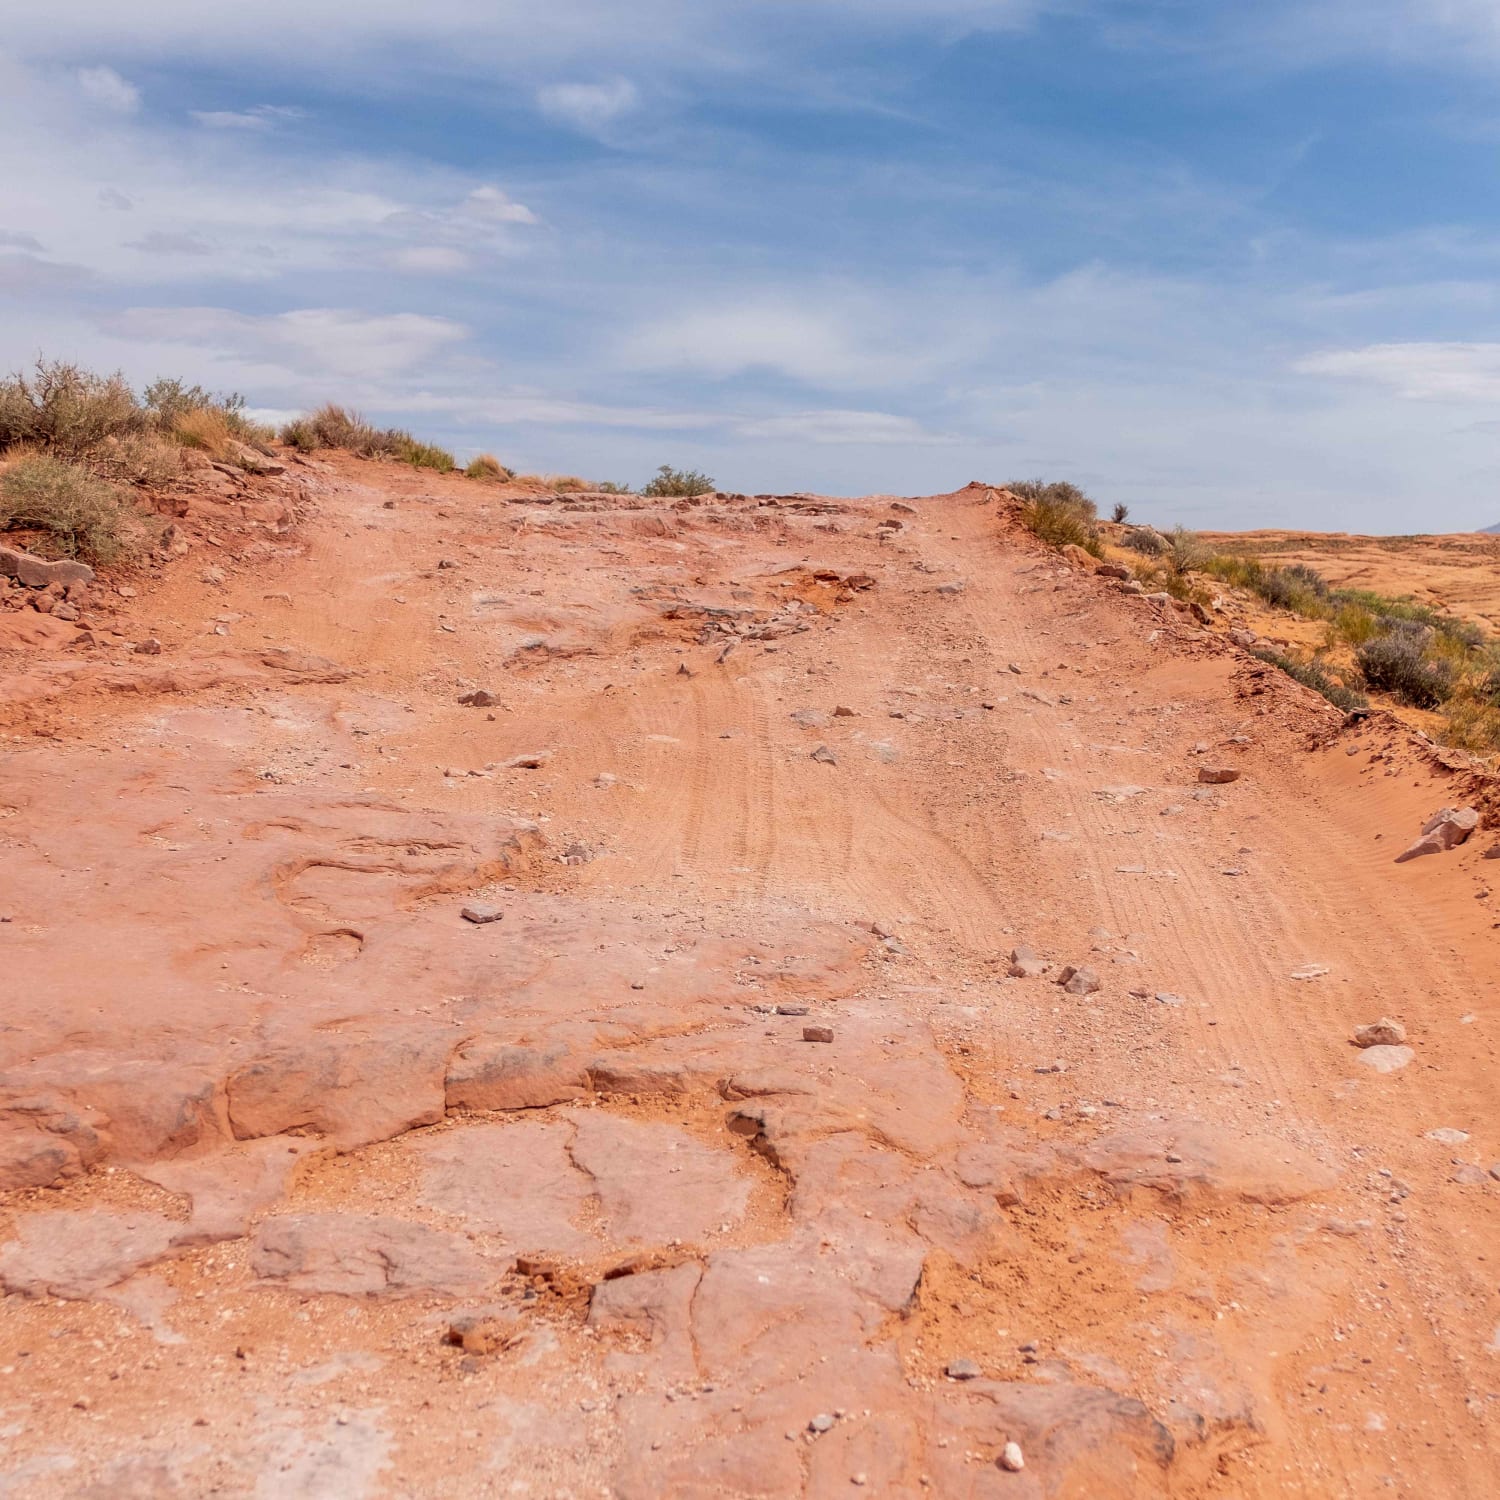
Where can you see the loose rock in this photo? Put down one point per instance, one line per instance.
(481, 913)
(1444, 830)
(825, 756)
(817, 1033)
(1012, 1460)
(1078, 981)
(962, 1369)
(1218, 775)
(1381, 1033)
(1386, 1059)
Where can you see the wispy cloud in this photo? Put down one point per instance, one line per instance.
(1467, 373)
(588, 107)
(258, 117)
(103, 86)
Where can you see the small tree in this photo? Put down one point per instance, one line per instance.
(1120, 513)
(677, 482)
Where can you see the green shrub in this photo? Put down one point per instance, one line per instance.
(403, 446)
(677, 483)
(1314, 675)
(1398, 663)
(78, 514)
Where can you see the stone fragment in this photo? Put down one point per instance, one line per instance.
(1078, 980)
(962, 1369)
(1381, 1033)
(1446, 1135)
(1218, 775)
(481, 912)
(1444, 830)
(1026, 963)
(825, 756)
(1111, 570)
(817, 1033)
(479, 698)
(1012, 1460)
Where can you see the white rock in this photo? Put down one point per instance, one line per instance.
(1012, 1460)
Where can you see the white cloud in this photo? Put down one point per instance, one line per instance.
(1457, 372)
(589, 107)
(260, 117)
(103, 86)
(492, 205)
(165, 242)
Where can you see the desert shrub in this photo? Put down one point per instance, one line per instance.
(300, 434)
(1185, 550)
(609, 487)
(563, 483)
(486, 466)
(670, 482)
(77, 513)
(1398, 663)
(1059, 513)
(1315, 675)
(1120, 514)
(204, 429)
(136, 458)
(67, 409)
(1146, 540)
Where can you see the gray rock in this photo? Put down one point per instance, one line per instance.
(962, 1369)
(1446, 1135)
(481, 913)
(824, 756)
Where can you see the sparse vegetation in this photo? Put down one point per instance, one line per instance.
(486, 466)
(1398, 663)
(1059, 513)
(1120, 514)
(334, 426)
(609, 487)
(680, 483)
(1146, 540)
(1315, 675)
(74, 513)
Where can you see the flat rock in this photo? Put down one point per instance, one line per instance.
(366, 1255)
(78, 1254)
(481, 913)
(37, 572)
(1386, 1059)
(1078, 980)
(1219, 775)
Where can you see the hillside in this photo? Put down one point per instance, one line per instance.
(572, 994)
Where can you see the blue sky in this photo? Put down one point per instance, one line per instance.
(1231, 264)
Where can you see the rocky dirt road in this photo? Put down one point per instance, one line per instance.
(723, 1155)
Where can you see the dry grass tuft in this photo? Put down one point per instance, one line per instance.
(487, 466)
(74, 513)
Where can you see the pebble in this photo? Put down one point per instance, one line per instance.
(1012, 1460)
(962, 1369)
(825, 756)
(823, 1422)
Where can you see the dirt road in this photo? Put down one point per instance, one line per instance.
(319, 1188)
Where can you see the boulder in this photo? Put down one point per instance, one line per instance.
(1444, 830)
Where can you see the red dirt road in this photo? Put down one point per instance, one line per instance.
(319, 1189)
